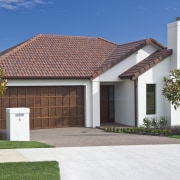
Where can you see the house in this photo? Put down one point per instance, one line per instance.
(82, 81)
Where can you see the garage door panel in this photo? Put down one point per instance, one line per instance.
(59, 111)
(59, 101)
(31, 112)
(52, 101)
(32, 122)
(52, 91)
(52, 111)
(45, 122)
(30, 91)
(21, 102)
(13, 103)
(49, 106)
(44, 112)
(29, 101)
(73, 111)
(13, 92)
(66, 121)
(44, 101)
(38, 123)
(4, 102)
(58, 122)
(73, 100)
(44, 91)
(52, 122)
(21, 91)
(37, 112)
(66, 100)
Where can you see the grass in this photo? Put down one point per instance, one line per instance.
(176, 136)
(30, 170)
(22, 144)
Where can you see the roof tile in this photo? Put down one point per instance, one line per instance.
(54, 56)
(146, 64)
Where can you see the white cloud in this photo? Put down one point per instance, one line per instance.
(14, 4)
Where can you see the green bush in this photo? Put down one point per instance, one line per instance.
(147, 123)
(154, 123)
(163, 123)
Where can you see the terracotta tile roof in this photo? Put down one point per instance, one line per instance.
(122, 52)
(54, 56)
(146, 64)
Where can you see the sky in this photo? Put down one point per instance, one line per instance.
(119, 21)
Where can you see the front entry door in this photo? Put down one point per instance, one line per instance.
(107, 103)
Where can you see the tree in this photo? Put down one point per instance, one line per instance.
(3, 83)
(171, 88)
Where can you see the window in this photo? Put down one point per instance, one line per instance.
(150, 99)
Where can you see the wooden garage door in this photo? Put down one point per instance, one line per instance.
(50, 107)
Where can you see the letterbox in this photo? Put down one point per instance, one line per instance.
(17, 124)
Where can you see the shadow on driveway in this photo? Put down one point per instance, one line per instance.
(80, 136)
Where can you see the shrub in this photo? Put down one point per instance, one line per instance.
(163, 123)
(147, 123)
(154, 123)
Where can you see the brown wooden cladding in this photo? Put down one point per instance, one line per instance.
(50, 107)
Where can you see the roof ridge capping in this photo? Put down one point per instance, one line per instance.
(107, 41)
(146, 41)
(149, 40)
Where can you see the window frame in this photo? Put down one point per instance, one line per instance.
(150, 106)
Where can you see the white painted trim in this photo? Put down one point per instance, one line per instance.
(47, 82)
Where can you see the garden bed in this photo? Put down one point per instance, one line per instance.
(140, 130)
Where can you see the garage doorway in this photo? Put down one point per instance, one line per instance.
(50, 107)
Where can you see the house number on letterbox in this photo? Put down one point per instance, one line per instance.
(19, 115)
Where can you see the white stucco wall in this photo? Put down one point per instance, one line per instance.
(174, 43)
(124, 103)
(175, 116)
(154, 76)
(112, 75)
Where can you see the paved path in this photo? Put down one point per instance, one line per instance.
(140, 162)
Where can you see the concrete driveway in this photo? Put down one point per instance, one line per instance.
(103, 156)
(78, 137)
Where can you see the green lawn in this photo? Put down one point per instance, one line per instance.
(45, 170)
(176, 136)
(22, 144)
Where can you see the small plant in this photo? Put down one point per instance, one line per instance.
(169, 132)
(147, 123)
(165, 132)
(154, 123)
(156, 132)
(116, 130)
(163, 123)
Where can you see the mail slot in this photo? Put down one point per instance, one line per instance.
(17, 124)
